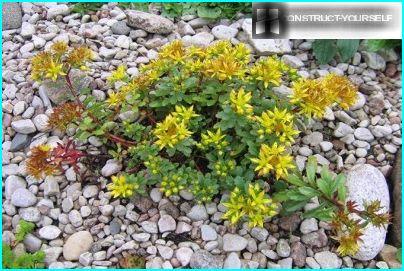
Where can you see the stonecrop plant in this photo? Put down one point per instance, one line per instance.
(206, 120)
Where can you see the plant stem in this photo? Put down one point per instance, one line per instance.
(112, 137)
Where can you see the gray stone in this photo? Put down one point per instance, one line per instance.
(261, 234)
(141, 237)
(381, 131)
(366, 183)
(326, 146)
(32, 243)
(120, 28)
(41, 122)
(308, 225)
(77, 244)
(313, 139)
(165, 252)
(107, 53)
(49, 232)
(51, 186)
(111, 167)
(30, 214)
(286, 263)
(23, 198)
(223, 32)
(208, 233)
(292, 61)
(86, 258)
(155, 194)
(360, 102)
(232, 261)
(298, 254)
(328, 260)
(115, 227)
(12, 16)
(12, 183)
(197, 213)
(149, 22)
(27, 30)
(24, 126)
(266, 46)
(363, 134)
(342, 130)
(123, 42)
(283, 248)
(52, 254)
(233, 242)
(166, 223)
(19, 142)
(150, 227)
(75, 218)
(202, 259)
(315, 239)
(90, 191)
(202, 39)
(184, 254)
(56, 10)
(374, 61)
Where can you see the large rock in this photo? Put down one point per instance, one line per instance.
(266, 46)
(58, 92)
(77, 244)
(374, 61)
(203, 259)
(367, 183)
(12, 16)
(149, 22)
(395, 178)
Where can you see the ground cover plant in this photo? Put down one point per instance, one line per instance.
(209, 121)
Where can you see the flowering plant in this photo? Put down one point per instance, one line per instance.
(204, 120)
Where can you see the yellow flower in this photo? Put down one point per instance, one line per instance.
(242, 53)
(212, 138)
(224, 67)
(120, 188)
(195, 51)
(54, 70)
(273, 159)
(118, 75)
(348, 245)
(239, 101)
(278, 122)
(253, 205)
(268, 70)
(170, 132)
(218, 48)
(340, 89)
(184, 114)
(174, 51)
(115, 99)
(311, 97)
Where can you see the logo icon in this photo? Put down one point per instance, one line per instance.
(268, 21)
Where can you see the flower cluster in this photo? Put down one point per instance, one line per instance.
(254, 205)
(174, 183)
(120, 187)
(278, 122)
(58, 61)
(240, 102)
(174, 128)
(38, 164)
(314, 95)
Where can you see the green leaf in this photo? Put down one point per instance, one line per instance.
(24, 227)
(324, 187)
(347, 48)
(296, 195)
(311, 168)
(341, 188)
(324, 50)
(209, 13)
(322, 213)
(309, 192)
(281, 196)
(292, 206)
(295, 180)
